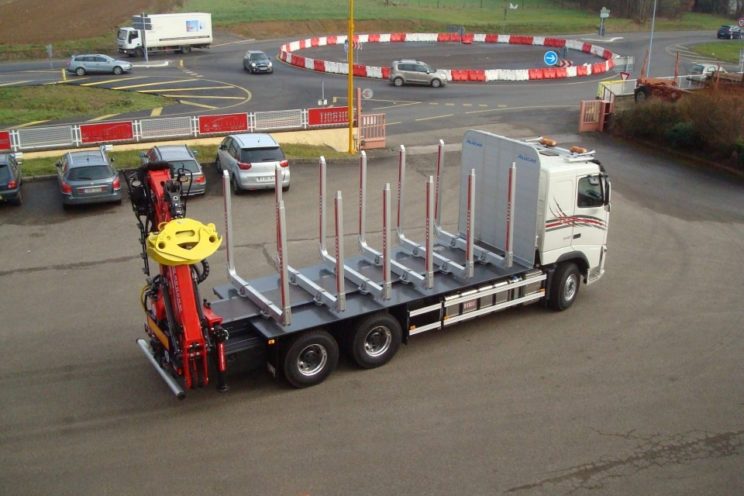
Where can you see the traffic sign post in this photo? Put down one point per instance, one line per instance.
(550, 58)
(603, 14)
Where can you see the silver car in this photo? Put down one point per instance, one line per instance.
(251, 159)
(183, 165)
(88, 177)
(416, 72)
(256, 61)
(88, 63)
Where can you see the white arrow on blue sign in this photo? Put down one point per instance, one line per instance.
(550, 58)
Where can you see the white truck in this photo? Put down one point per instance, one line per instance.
(178, 32)
(532, 226)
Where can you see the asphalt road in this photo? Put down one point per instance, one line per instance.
(637, 389)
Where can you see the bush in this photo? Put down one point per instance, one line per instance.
(683, 135)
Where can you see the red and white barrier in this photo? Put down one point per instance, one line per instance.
(457, 74)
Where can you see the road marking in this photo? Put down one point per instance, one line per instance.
(433, 103)
(398, 105)
(210, 107)
(467, 104)
(189, 89)
(152, 84)
(503, 107)
(15, 82)
(156, 111)
(449, 104)
(435, 117)
(483, 105)
(95, 83)
(32, 123)
(69, 81)
(233, 43)
(203, 96)
(102, 118)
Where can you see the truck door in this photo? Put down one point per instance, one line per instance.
(590, 225)
(559, 221)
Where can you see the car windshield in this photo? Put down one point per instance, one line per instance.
(272, 154)
(90, 173)
(189, 165)
(258, 57)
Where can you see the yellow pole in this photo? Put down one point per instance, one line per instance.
(64, 75)
(350, 79)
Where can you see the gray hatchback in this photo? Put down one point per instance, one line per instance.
(88, 177)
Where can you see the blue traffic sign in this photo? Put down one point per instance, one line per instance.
(550, 58)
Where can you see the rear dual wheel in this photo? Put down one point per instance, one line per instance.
(375, 341)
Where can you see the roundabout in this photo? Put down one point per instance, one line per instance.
(598, 60)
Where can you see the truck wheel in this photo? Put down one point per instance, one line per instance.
(80, 71)
(186, 49)
(139, 52)
(375, 341)
(564, 287)
(642, 94)
(398, 81)
(309, 358)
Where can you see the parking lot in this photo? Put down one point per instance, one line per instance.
(637, 389)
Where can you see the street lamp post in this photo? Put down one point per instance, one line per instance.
(651, 41)
(350, 79)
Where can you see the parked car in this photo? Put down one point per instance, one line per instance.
(699, 72)
(11, 179)
(729, 32)
(183, 164)
(88, 177)
(251, 159)
(256, 61)
(416, 72)
(83, 64)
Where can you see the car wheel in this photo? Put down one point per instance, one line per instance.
(235, 186)
(118, 70)
(80, 71)
(436, 83)
(285, 188)
(18, 201)
(398, 81)
(217, 164)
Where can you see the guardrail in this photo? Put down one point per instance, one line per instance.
(133, 131)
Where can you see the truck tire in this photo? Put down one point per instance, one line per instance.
(186, 49)
(564, 286)
(375, 340)
(139, 52)
(642, 94)
(309, 358)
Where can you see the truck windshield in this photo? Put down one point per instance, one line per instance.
(122, 34)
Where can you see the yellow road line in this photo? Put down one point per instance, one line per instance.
(190, 89)
(203, 96)
(15, 82)
(65, 81)
(156, 111)
(32, 123)
(102, 118)
(435, 117)
(95, 83)
(198, 105)
(152, 84)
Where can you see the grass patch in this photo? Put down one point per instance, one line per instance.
(129, 159)
(727, 51)
(532, 16)
(61, 49)
(19, 105)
